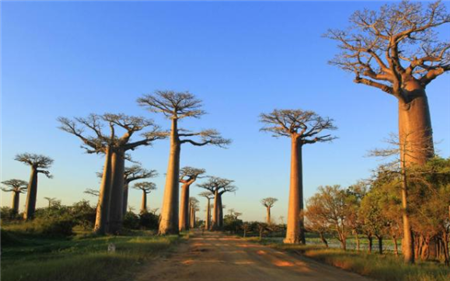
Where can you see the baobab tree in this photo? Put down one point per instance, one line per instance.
(177, 106)
(303, 127)
(397, 51)
(109, 208)
(208, 195)
(16, 187)
(188, 175)
(133, 173)
(146, 187)
(193, 207)
(51, 201)
(218, 186)
(39, 165)
(268, 203)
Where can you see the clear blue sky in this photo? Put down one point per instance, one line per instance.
(242, 58)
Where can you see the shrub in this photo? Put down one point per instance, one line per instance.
(148, 221)
(131, 221)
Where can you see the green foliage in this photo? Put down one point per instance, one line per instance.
(232, 224)
(7, 215)
(131, 220)
(149, 221)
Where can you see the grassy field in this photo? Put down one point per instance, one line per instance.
(82, 257)
(384, 267)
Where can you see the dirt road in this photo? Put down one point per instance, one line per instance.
(216, 257)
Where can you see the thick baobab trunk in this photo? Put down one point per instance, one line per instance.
(104, 196)
(415, 130)
(116, 207)
(295, 230)
(169, 213)
(220, 212)
(268, 215)
(15, 202)
(125, 198)
(208, 215)
(215, 222)
(192, 218)
(184, 208)
(30, 206)
(144, 202)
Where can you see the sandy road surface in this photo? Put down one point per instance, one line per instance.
(216, 257)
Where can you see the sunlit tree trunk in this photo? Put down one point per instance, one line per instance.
(15, 202)
(104, 196)
(220, 211)
(30, 206)
(192, 218)
(295, 233)
(208, 214)
(268, 216)
(169, 213)
(184, 207)
(214, 224)
(116, 208)
(144, 202)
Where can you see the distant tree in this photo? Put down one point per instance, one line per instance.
(193, 208)
(16, 187)
(188, 175)
(39, 164)
(146, 188)
(176, 106)
(218, 186)
(133, 173)
(268, 203)
(303, 127)
(92, 192)
(208, 195)
(51, 201)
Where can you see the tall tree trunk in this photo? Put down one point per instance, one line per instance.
(369, 237)
(220, 212)
(415, 130)
(215, 217)
(268, 215)
(104, 196)
(30, 206)
(116, 208)
(184, 208)
(125, 198)
(208, 214)
(144, 202)
(295, 229)
(192, 218)
(408, 239)
(15, 202)
(169, 213)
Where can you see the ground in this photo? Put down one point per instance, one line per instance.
(217, 257)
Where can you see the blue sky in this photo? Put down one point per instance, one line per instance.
(241, 58)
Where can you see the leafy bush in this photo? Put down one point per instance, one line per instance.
(53, 226)
(131, 221)
(148, 221)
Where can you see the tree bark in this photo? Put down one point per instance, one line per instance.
(394, 238)
(380, 244)
(322, 237)
(104, 196)
(220, 212)
(116, 207)
(30, 206)
(169, 213)
(184, 208)
(208, 214)
(144, 202)
(369, 237)
(415, 130)
(192, 218)
(125, 198)
(408, 239)
(15, 202)
(215, 222)
(268, 215)
(295, 230)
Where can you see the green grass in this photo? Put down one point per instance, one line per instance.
(385, 267)
(83, 257)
